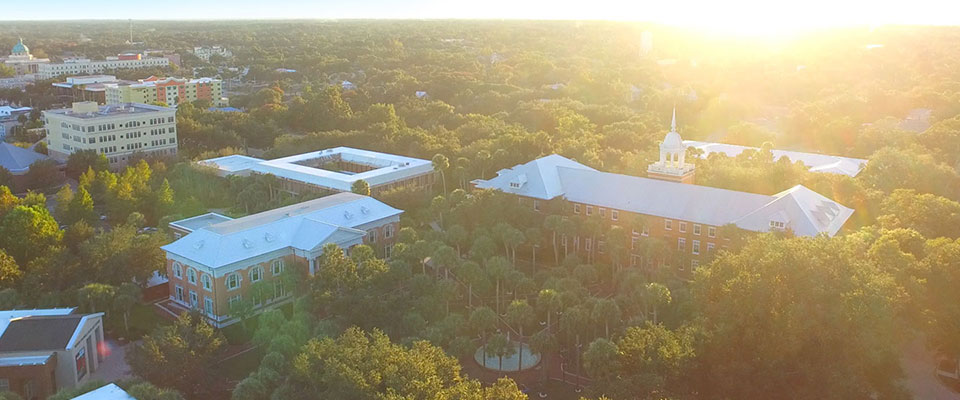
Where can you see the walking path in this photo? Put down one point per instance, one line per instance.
(919, 364)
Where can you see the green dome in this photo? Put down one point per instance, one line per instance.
(20, 48)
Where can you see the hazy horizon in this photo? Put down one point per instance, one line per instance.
(738, 16)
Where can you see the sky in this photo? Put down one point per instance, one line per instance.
(761, 16)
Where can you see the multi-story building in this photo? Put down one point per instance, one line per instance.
(22, 61)
(170, 91)
(204, 53)
(43, 351)
(10, 118)
(85, 66)
(219, 260)
(117, 131)
(815, 162)
(85, 88)
(334, 170)
(686, 218)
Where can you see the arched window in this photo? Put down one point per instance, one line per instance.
(206, 282)
(177, 270)
(191, 275)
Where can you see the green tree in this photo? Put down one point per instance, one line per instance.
(126, 296)
(520, 314)
(10, 272)
(82, 160)
(601, 360)
(180, 355)
(441, 164)
(27, 232)
(499, 346)
(482, 321)
(361, 187)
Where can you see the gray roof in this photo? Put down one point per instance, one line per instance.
(305, 226)
(193, 223)
(18, 160)
(815, 162)
(802, 210)
(40, 333)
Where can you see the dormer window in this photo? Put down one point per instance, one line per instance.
(780, 225)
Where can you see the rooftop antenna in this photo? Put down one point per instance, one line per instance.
(130, 21)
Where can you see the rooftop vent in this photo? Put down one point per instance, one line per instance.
(198, 245)
(268, 237)
(364, 210)
(247, 244)
(347, 215)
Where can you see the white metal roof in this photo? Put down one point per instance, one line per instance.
(109, 392)
(305, 226)
(193, 223)
(815, 162)
(19, 361)
(391, 167)
(804, 211)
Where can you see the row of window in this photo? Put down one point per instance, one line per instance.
(682, 226)
(232, 281)
(667, 223)
(695, 249)
(372, 235)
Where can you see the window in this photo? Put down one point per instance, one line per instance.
(234, 300)
(208, 306)
(668, 224)
(683, 227)
(276, 267)
(177, 270)
(589, 210)
(536, 205)
(372, 236)
(194, 299)
(710, 248)
(646, 230)
(635, 232)
(777, 224)
(192, 276)
(696, 247)
(712, 231)
(696, 229)
(388, 231)
(633, 243)
(387, 251)
(603, 212)
(206, 281)
(681, 244)
(615, 215)
(233, 281)
(576, 209)
(179, 293)
(694, 264)
(256, 273)
(278, 290)
(587, 244)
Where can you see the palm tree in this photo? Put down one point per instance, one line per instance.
(549, 301)
(498, 268)
(499, 346)
(462, 167)
(534, 237)
(656, 295)
(444, 256)
(553, 223)
(543, 343)
(483, 157)
(519, 314)
(440, 164)
(606, 311)
(471, 274)
(127, 295)
(483, 320)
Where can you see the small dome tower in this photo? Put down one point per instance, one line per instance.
(673, 153)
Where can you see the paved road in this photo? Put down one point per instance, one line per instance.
(919, 365)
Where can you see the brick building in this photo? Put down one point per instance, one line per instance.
(217, 260)
(685, 217)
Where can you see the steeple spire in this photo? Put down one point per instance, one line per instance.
(673, 123)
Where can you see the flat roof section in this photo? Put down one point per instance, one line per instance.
(112, 110)
(200, 221)
(388, 167)
(815, 162)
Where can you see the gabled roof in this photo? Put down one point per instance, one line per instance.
(108, 392)
(8, 315)
(35, 333)
(815, 162)
(538, 178)
(802, 210)
(17, 159)
(305, 226)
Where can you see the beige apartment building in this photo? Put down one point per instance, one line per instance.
(116, 131)
(170, 91)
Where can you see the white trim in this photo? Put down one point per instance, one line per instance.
(83, 320)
